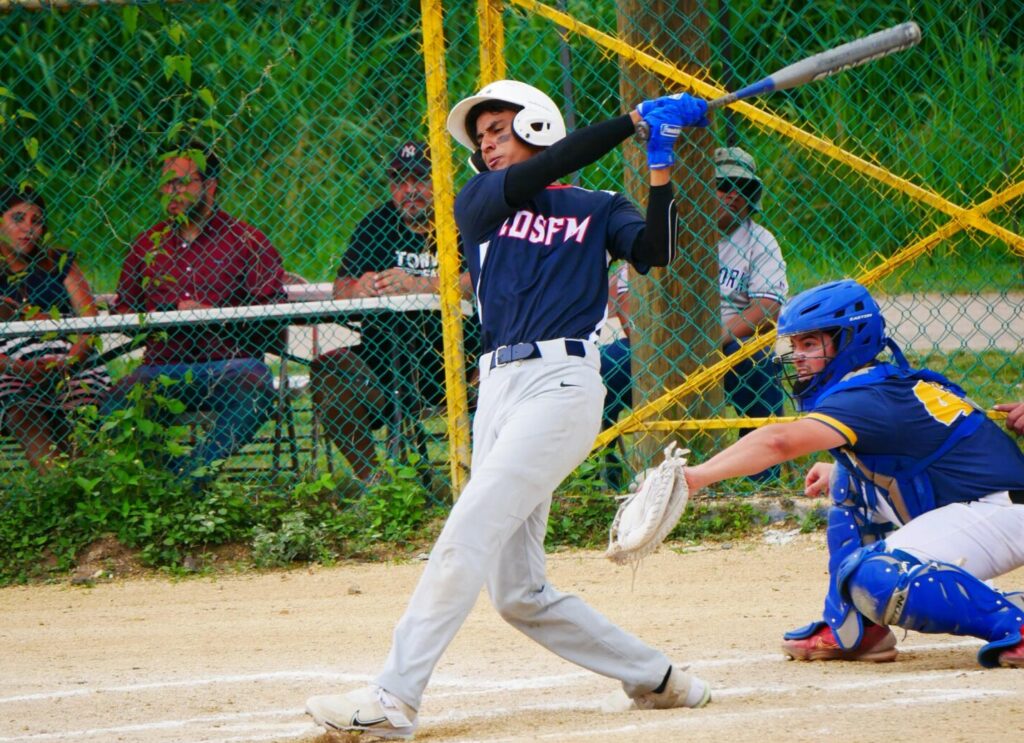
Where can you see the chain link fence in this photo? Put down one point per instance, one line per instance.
(177, 157)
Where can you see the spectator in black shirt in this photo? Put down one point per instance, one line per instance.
(398, 368)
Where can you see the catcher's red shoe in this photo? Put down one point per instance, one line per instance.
(1014, 657)
(878, 645)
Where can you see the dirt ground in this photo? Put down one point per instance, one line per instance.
(233, 658)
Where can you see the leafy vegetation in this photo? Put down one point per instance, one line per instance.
(120, 487)
(306, 100)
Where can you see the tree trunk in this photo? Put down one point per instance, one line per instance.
(676, 318)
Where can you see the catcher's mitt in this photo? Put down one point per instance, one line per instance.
(646, 517)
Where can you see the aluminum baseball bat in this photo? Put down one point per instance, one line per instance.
(843, 57)
(852, 54)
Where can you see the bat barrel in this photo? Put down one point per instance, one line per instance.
(843, 57)
(861, 51)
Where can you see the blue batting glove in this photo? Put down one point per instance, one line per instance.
(647, 107)
(689, 111)
(665, 117)
(663, 135)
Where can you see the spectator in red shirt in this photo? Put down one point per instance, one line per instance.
(201, 258)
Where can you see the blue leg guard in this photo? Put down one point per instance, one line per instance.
(843, 539)
(932, 597)
(847, 531)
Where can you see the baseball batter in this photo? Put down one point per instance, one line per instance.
(928, 493)
(538, 253)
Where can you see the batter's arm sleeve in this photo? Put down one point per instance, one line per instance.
(577, 150)
(656, 245)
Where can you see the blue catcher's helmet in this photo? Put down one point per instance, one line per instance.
(848, 312)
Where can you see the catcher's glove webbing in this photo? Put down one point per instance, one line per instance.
(646, 517)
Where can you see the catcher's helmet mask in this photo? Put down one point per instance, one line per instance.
(845, 310)
(537, 122)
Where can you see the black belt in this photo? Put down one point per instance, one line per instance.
(521, 351)
(1017, 496)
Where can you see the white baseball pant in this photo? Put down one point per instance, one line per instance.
(536, 420)
(984, 537)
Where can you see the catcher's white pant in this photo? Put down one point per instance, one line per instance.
(984, 537)
(536, 420)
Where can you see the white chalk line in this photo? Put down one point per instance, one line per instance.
(462, 686)
(928, 695)
(157, 725)
(484, 685)
(906, 682)
(458, 683)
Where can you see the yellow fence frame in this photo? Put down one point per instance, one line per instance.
(705, 377)
(447, 244)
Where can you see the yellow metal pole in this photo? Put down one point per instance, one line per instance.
(447, 243)
(719, 423)
(492, 40)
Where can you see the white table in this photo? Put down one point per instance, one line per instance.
(117, 329)
(306, 312)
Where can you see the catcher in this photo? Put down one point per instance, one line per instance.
(927, 492)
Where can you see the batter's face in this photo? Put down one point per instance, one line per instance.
(811, 353)
(498, 144)
(184, 191)
(413, 194)
(21, 228)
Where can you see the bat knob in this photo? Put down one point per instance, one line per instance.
(643, 130)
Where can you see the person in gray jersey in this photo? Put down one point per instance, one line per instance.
(752, 281)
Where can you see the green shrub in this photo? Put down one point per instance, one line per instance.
(296, 539)
(397, 504)
(710, 519)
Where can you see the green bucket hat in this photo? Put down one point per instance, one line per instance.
(733, 163)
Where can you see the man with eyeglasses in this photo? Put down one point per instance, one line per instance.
(199, 258)
(752, 280)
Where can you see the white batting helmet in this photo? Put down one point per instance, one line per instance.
(538, 123)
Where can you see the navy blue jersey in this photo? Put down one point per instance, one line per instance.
(540, 270)
(912, 418)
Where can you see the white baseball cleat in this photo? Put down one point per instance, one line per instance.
(683, 690)
(371, 710)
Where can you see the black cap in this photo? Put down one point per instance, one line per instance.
(411, 157)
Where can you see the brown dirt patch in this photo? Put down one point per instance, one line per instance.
(229, 658)
(106, 559)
